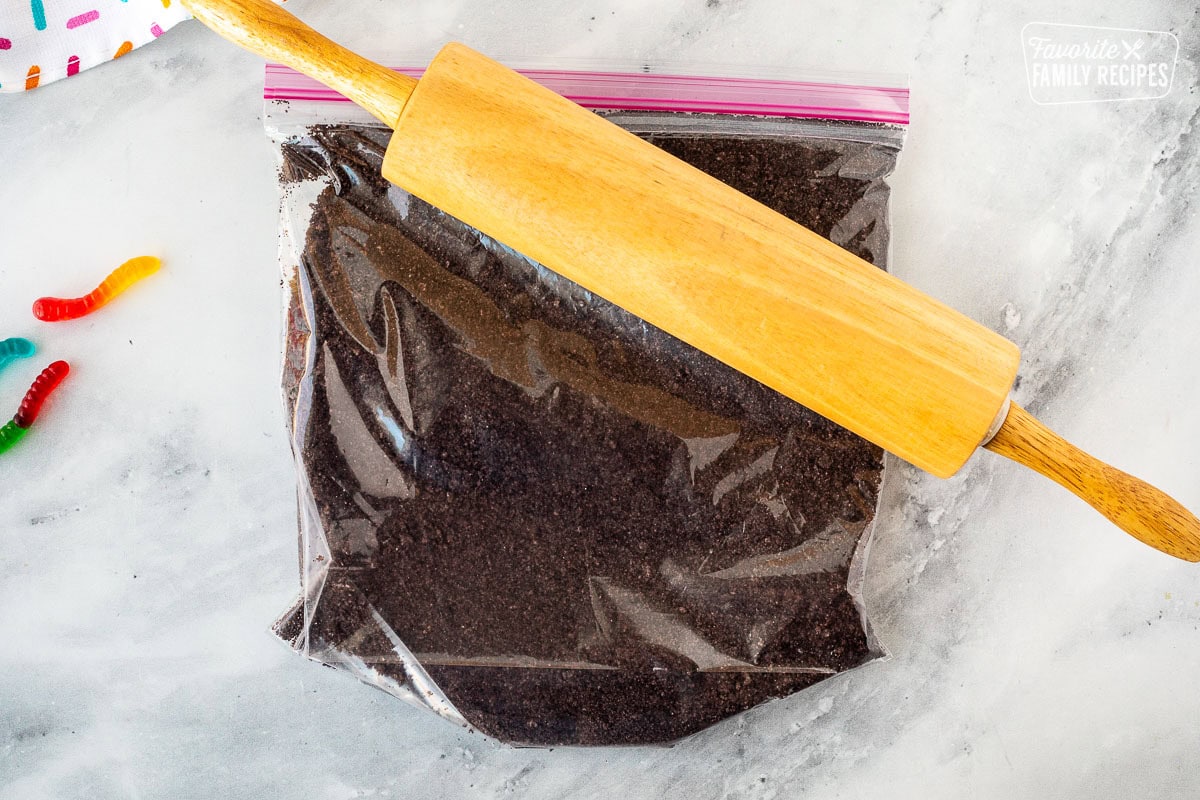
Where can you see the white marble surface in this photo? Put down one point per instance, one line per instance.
(148, 527)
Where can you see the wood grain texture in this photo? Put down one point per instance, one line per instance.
(700, 260)
(264, 28)
(1135, 506)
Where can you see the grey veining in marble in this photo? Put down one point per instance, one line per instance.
(147, 530)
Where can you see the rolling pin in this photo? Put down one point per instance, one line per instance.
(703, 262)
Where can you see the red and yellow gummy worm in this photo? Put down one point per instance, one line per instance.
(54, 309)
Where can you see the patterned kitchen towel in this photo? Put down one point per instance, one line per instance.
(45, 40)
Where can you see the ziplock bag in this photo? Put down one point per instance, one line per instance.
(528, 510)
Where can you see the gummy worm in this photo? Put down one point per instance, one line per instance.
(15, 429)
(11, 349)
(42, 386)
(54, 309)
(10, 434)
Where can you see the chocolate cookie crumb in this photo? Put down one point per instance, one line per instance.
(586, 531)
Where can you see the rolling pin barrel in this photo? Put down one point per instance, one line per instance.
(693, 256)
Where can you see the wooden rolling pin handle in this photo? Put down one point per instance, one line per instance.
(1133, 505)
(264, 28)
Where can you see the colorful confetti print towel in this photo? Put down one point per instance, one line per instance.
(45, 40)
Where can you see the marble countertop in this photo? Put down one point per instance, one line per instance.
(149, 530)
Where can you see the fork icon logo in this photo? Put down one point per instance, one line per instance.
(1132, 49)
